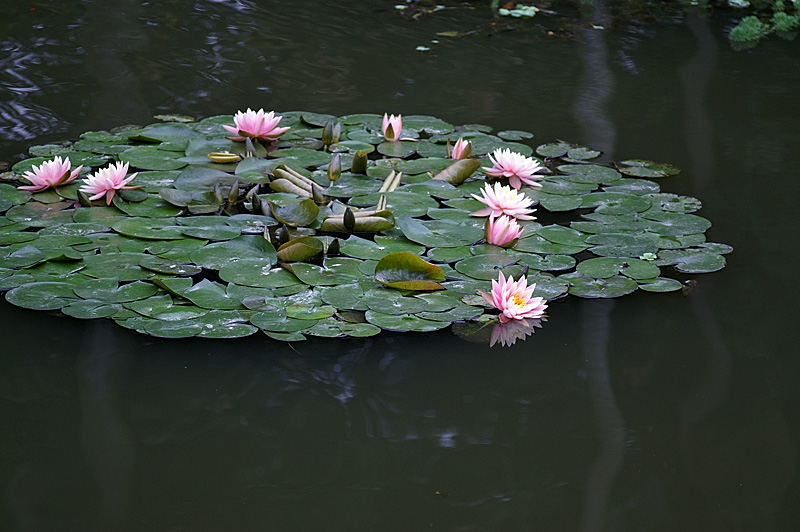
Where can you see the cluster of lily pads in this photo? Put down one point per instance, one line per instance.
(333, 227)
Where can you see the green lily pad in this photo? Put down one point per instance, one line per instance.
(151, 158)
(335, 271)
(660, 284)
(562, 235)
(605, 267)
(615, 203)
(584, 286)
(644, 168)
(345, 296)
(211, 295)
(109, 290)
(300, 249)
(42, 295)
(406, 271)
(589, 173)
(621, 245)
(404, 322)
(691, 260)
(488, 267)
(537, 244)
(676, 224)
(149, 228)
(171, 329)
(89, 309)
(298, 214)
(279, 322)
(122, 266)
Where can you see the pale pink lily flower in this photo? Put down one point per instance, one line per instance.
(503, 231)
(508, 333)
(503, 199)
(107, 181)
(391, 127)
(50, 174)
(461, 150)
(256, 125)
(514, 299)
(515, 166)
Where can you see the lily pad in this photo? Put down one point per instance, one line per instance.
(42, 295)
(406, 271)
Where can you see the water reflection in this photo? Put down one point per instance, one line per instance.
(21, 78)
(508, 333)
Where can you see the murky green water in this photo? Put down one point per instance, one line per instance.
(652, 412)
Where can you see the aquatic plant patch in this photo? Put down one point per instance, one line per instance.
(302, 224)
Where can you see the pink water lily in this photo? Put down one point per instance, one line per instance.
(502, 199)
(50, 174)
(515, 166)
(508, 333)
(461, 150)
(514, 299)
(391, 127)
(106, 182)
(256, 125)
(503, 231)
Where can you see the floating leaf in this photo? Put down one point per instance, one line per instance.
(643, 168)
(456, 173)
(298, 214)
(584, 286)
(406, 271)
(300, 249)
(42, 295)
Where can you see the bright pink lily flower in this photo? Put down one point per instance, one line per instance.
(514, 299)
(256, 125)
(107, 181)
(503, 231)
(503, 200)
(391, 127)
(515, 166)
(50, 174)
(461, 150)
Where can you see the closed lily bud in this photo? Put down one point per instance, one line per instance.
(327, 133)
(233, 193)
(337, 132)
(333, 247)
(349, 220)
(359, 164)
(335, 168)
(317, 194)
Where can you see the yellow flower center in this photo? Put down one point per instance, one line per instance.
(518, 299)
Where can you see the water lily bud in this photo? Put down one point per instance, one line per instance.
(317, 194)
(218, 192)
(349, 220)
(337, 132)
(359, 165)
(335, 168)
(257, 205)
(233, 193)
(327, 133)
(84, 200)
(333, 247)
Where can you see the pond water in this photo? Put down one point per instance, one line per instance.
(650, 412)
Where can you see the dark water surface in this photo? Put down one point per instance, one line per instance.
(657, 412)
